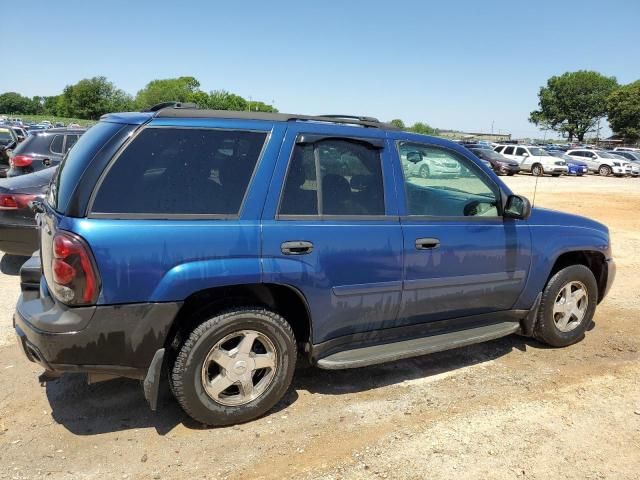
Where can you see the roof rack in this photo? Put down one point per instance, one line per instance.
(189, 110)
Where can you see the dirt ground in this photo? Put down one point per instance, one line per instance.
(506, 409)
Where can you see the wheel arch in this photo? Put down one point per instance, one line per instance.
(283, 299)
(592, 259)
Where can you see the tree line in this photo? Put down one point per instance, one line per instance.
(91, 98)
(573, 104)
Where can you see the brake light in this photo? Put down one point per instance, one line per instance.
(74, 274)
(21, 161)
(14, 202)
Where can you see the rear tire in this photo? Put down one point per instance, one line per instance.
(604, 170)
(235, 366)
(567, 306)
(537, 170)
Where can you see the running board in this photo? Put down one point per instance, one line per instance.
(363, 357)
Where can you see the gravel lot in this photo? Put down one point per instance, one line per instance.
(506, 409)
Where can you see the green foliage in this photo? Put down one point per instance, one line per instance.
(423, 129)
(573, 103)
(396, 122)
(91, 98)
(624, 110)
(15, 103)
(180, 89)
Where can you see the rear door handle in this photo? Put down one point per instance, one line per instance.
(427, 243)
(298, 247)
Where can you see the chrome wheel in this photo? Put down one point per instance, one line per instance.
(570, 306)
(239, 368)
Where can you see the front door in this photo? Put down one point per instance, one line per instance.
(332, 232)
(461, 257)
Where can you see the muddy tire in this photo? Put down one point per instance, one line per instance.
(567, 306)
(235, 366)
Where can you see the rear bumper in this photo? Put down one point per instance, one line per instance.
(18, 239)
(118, 340)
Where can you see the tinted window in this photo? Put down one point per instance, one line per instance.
(520, 151)
(508, 151)
(71, 141)
(181, 171)
(499, 149)
(455, 187)
(350, 180)
(56, 144)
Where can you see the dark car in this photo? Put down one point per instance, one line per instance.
(42, 149)
(18, 232)
(499, 163)
(8, 141)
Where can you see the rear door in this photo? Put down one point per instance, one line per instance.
(509, 152)
(332, 231)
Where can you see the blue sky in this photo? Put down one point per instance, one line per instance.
(455, 64)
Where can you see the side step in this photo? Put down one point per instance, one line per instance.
(363, 357)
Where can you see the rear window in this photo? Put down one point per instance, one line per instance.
(181, 171)
(76, 161)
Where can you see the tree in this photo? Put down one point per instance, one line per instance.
(396, 122)
(180, 89)
(573, 103)
(91, 98)
(624, 110)
(422, 128)
(12, 102)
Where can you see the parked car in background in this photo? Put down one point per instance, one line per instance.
(626, 149)
(42, 149)
(35, 128)
(20, 132)
(629, 155)
(499, 163)
(600, 162)
(8, 141)
(484, 146)
(534, 159)
(217, 254)
(574, 166)
(630, 168)
(18, 230)
(425, 163)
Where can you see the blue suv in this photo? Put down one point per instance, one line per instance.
(218, 247)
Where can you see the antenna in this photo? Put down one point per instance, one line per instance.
(535, 190)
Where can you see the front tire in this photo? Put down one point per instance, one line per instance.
(604, 170)
(537, 170)
(235, 366)
(567, 306)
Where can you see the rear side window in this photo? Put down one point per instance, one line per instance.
(71, 141)
(508, 151)
(334, 177)
(181, 171)
(76, 161)
(56, 144)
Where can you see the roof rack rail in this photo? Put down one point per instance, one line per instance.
(352, 117)
(162, 105)
(177, 110)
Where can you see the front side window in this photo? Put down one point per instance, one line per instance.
(520, 151)
(334, 177)
(180, 171)
(454, 186)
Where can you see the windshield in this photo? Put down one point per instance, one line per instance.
(608, 155)
(537, 152)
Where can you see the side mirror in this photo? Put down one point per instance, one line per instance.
(525, 154)
(594, 156)
(517, 207)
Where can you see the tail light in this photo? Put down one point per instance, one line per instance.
(15, 202)
(21, 161)
(75, 277)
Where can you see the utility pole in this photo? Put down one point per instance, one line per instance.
(492, 126)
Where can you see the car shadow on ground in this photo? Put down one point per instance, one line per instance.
(10, 264)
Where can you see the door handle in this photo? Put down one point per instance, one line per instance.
(427, 243)
(299, 247)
